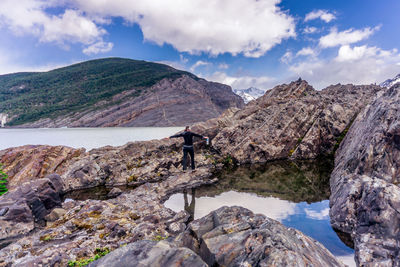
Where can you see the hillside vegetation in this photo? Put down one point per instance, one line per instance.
(27, 97)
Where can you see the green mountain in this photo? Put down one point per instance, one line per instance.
(28, 97)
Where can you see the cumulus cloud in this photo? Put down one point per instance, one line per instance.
(30, 17)
(242, 82)
(320, 14)
(357, 65)
(335, 38)
(250, 27)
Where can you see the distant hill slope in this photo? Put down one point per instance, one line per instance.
(107, 92)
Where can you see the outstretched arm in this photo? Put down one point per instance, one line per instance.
(198, 135)
(176, 136)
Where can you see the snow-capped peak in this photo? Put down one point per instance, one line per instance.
(390, 82)
(249, 94)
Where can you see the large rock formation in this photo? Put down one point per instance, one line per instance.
(365, 200)
(229, 236)
(111, 92)
(289, 121)
(170, 102)
(234, 236)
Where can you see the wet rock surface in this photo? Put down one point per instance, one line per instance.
(365, 189)
(234, 236)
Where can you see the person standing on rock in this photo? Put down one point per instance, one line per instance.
(188, 145)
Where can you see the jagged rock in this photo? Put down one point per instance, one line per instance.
(365, 200)
(90, 224)
(28, 204)
(234, 236)
(150, 253)
(291, 120)
(29, 162)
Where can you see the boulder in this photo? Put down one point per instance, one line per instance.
(365, 199)
(28, 204)
(150, 253)
(234, 236)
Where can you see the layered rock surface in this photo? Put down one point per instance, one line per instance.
(290, 121)
(365, 189)
(234, 236)
(170, 102)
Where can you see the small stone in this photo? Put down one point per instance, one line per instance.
(3, 211)
(55, 214)
(114, 192)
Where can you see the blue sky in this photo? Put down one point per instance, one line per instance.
(242, 43)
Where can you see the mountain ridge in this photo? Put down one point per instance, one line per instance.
(66, 96)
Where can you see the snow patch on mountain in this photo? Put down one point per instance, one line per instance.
(390, 82)
(249, 94)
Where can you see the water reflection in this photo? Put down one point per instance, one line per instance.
(294, 181)
(294, 193)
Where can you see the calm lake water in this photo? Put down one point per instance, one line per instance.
(88, 138)
(296, 194)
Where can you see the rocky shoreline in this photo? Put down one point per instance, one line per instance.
(290, 121)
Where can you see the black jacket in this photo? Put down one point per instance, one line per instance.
(188, 137)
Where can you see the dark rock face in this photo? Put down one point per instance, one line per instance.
(365, 196)
(150, 253)
(28, 204)
(170, 102)
(291, 120)
(234, 236)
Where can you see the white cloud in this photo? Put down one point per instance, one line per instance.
(321, 215)
(346, 53)
(356, 65)
(242, 82)
(310, 30)
(287, 57)
(199, 63)
(99, 47)
(306, 51)
(274, 208)
(30, 17)
(320, 14)
(250, 27)
(335, 38)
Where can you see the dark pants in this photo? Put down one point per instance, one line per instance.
(186, 150)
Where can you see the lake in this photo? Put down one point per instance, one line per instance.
(88, 138)
(294, 193)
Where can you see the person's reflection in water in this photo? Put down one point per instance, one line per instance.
(189, 208)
